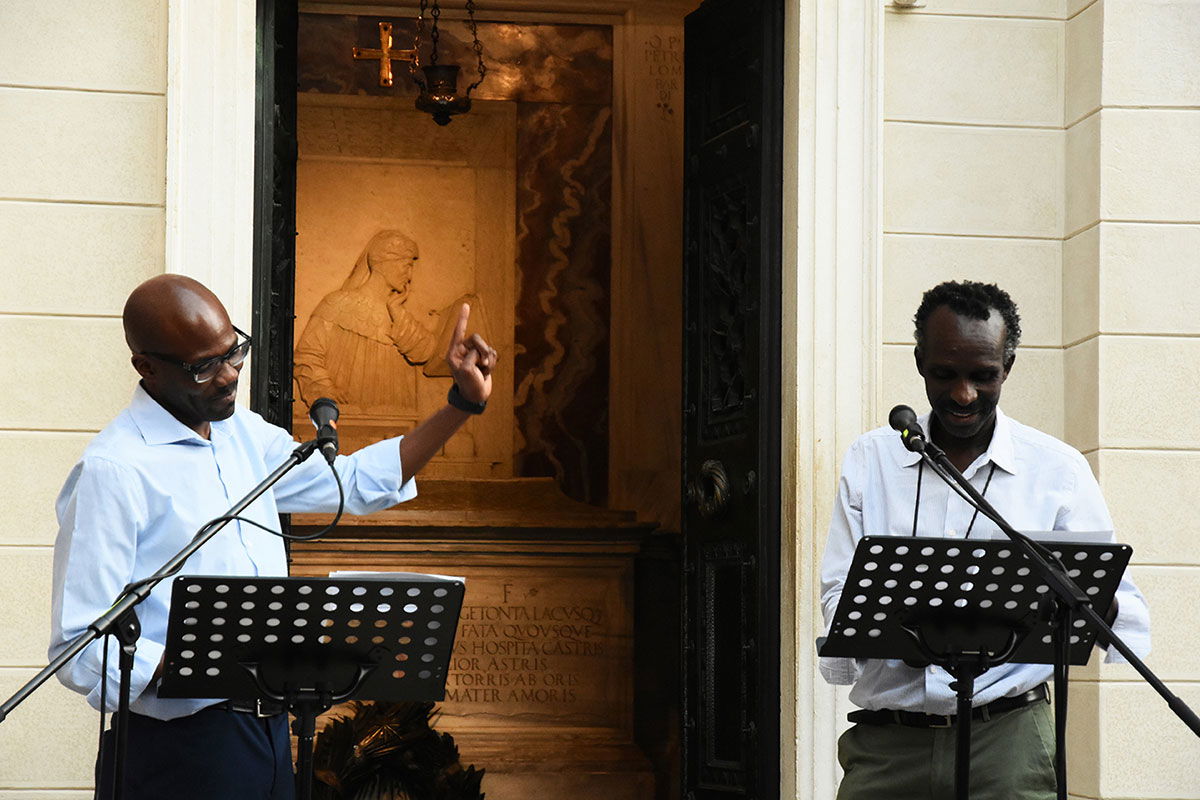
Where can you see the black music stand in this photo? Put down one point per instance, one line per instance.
(309, 643)
(966, 606)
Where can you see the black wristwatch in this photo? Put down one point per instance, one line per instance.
(454, 397)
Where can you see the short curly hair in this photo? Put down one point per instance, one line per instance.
(976, 301)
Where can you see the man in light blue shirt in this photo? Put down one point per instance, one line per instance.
(900, 747)
(182, 453)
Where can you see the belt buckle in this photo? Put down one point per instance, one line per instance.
(949, 721)
(258, 709)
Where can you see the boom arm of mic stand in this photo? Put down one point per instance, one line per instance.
(130, 598)
(1060, 583)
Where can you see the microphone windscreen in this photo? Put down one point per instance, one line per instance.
(902, 418)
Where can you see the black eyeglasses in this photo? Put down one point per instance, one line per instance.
(204, 371)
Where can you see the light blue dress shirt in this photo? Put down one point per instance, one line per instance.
(142, 489)
(1040, 484)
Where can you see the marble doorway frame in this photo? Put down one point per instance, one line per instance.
(831, 302)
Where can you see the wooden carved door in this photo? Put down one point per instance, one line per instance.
(731, 453)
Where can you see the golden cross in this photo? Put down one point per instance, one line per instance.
(385, 54)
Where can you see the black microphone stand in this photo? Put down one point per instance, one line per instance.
(121, 618)
(1068, 602)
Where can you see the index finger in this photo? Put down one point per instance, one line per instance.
(460, 327)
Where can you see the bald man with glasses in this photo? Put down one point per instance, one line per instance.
(180, 454)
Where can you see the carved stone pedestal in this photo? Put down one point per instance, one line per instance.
(540, 691)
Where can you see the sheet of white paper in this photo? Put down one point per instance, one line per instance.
(415, 577)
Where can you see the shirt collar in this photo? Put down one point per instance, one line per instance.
(999, 450)
(156, 424)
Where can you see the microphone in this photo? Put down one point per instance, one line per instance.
(904, 420)
(324, 415)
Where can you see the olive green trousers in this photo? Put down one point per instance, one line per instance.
(1012, 758)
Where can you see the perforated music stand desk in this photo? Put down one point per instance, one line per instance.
(963, 594)
(966, 606)
(311, 642)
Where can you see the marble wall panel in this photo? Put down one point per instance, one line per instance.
(1148, 164)
(1151, 53)
(1082, 180)
(1081, 285)
(526, 62)
(1084, 50)
(64, 258)
(1165, 304)
(564, 221)
(1081, 378)
(970, 180)
(1145, 386)
(1145, 752)
(49, 740)
(46, 458)
(82, 386)
(1028, 269)
(25, 606)
(110, 46)
(936, 66)
(82, 146)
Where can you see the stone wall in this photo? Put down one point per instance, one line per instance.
(82, 165)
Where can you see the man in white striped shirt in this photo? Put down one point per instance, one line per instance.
(900, 747)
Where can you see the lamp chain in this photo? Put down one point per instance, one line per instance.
(434, 34)
(476, 45)
(414, 66)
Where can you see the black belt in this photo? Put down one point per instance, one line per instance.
(915, 719)
(259, 708)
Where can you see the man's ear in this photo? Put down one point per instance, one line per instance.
(145, 366)
(917, 358)
(1008, 367)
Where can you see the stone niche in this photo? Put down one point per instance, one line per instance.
(372, 323)
(541, 687)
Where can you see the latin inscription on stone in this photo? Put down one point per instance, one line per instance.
(549, 648)
(663, 57)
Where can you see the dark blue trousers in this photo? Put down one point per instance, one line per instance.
(211, 754)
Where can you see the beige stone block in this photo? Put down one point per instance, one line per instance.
(934, 67)
(48, 740)
(1032, 394)
(63, 258)
(1145, 386)
(1172, 621)
(46, 794)
(1027, 269)
(1147, 492)
(1081, 375)
(1145, 751)
(118, 46)
(1081, 286)
(28, 495)
(82, 146)
(1048, 9)
(983, 181)
(1076, 6)
(72, 374)
(25, 605)
(1082, 181)
(1151, 53)
(1083, 737)
(1149, 168)
(1149, 278)
(1084, 42)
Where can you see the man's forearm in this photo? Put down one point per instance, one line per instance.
(424, 441)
